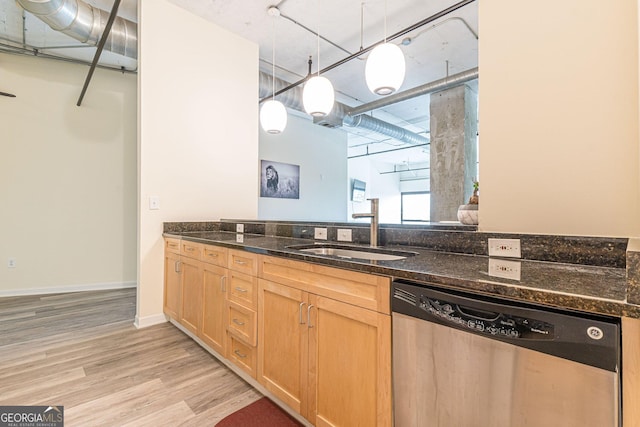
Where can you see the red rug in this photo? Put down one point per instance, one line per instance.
(261, 413)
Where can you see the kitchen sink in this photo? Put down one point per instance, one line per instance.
(355, 252)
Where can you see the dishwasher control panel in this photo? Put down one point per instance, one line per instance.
(486, 322)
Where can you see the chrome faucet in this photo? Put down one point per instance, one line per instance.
(374, 221)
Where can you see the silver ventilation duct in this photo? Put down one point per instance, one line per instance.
(434, 86)
(293, 99)
(380, 126)
(86, 24)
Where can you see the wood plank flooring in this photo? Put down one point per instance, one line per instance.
(81, 351)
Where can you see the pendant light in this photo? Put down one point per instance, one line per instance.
(317, 95)
(273, 115)
(385, 67)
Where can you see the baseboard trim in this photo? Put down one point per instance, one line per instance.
(146, 321)
(67, 289)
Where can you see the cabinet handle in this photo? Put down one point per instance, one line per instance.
(238, 322)
(177, 267)
(240, 262)
(242, 356)
(212, 255)
(300, 314)
(244, 291)
(309, 315)
(189, 248)
(223, 287)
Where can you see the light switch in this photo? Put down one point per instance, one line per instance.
(154, 203)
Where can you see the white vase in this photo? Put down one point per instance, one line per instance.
(468, 214)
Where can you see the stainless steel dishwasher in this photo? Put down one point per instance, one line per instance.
(462, 360)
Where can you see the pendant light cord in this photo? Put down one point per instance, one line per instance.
(385, 21)
(318, 14)
(273, 61)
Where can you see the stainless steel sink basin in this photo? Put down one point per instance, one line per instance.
(371, 254)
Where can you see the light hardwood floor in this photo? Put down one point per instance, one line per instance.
(81, 351)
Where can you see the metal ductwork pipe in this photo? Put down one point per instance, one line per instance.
(380, 126)
(434, 86)
(86, 24)
(293, 99)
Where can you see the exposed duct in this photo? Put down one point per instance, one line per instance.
(293, 99)
(434, 86)
(380, 126)
(86, 24)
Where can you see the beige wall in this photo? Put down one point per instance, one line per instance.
(67, 178)
(198, 140)
(559, 148)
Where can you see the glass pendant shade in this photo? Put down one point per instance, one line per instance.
(273, 116)
(317, 96)
(385, 68)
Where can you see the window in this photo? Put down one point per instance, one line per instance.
(415, 207)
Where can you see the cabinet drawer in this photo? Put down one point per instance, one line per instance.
(242, 355)
(172, 245)
(360, 289)
(215, 255)
(242, 323)
(190, 249)
(244, 262)
(243, 289)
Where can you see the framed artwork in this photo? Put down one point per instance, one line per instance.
(279, 180)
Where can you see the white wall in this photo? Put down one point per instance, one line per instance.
(559, 117)
(385, 187)
(67, 177)
(198, 132)
(321, 154)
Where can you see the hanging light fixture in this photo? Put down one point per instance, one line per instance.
(317, 95)
(273, 115)
(385, 68)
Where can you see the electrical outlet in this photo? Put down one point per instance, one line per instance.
(505, 269)
(344, 235)
(239, 228)
(154, 203)
(505, 248)
(11, 263)
(240, 238)
(320, 233)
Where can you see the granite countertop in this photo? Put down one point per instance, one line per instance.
(593, 289)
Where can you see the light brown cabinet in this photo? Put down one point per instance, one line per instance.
(329, 360)
(213, 307)
(241, 310)
(172, 286)
(195, 288)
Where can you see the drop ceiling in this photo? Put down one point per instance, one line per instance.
(444, 47)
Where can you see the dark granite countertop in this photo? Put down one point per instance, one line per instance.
(586, 288)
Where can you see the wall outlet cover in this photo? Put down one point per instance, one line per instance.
(344, 234)
(154, 203)
(505, 248)
(320, 233)
(240, 238)
(239, 228)
(505, 269)
(12, 263)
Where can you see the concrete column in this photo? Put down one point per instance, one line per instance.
(453, 150)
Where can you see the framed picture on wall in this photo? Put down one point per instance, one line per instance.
(279, 180)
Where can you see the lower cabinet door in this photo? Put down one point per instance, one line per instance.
(213, 307)
(349, 365)
(282, 343)
(172, 287)
(191, 315)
